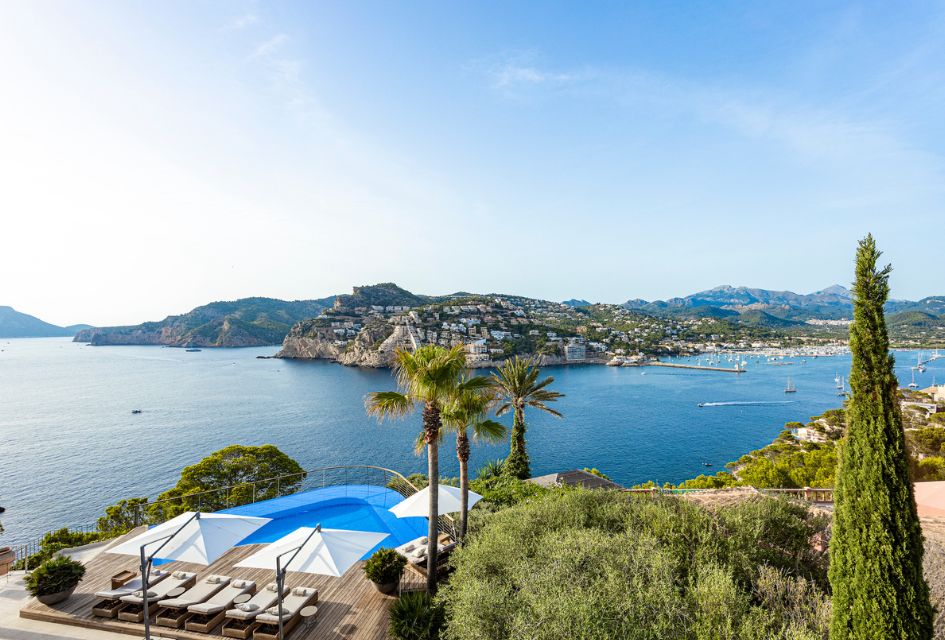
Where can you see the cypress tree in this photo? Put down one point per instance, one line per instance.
(876, 549)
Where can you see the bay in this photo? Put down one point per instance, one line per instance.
(70, 446)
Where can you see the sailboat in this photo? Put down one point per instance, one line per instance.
(790, 388)
(841, 388)
(837, 380)
(913, 385)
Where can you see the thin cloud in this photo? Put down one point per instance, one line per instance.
(269, 47)
(241, 21)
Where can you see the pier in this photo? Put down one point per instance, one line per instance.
(657, 363)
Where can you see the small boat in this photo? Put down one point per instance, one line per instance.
(136, 411)
(192, 350)
(790, 388)
(701, 404)
(842, 390)
(913, 385)
(706, 464)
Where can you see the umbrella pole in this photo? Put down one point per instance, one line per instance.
(146, 561)
(281, 571)
(280, 580)
(145, 577)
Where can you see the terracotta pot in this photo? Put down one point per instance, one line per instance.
(386, 588)
(56, 598)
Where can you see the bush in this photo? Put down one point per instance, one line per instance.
(505, 491)
(415, 616)
(54, 542)
(602, 565)
(385, 566)
(54, 575)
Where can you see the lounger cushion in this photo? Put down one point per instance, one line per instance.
(300, 591)
(181, 575)
(242, 584)
(247, 607)
(140, 594)
(274, 612)
(272, 586)
(214, 580)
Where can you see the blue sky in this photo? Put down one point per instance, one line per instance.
(161, 156)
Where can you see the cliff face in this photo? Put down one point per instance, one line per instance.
(374, 346)
(250, 322)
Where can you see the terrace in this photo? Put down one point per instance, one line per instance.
(349, 498)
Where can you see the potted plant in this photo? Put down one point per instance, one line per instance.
(384, 568)
(55, 580)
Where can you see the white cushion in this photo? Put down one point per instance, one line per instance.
(247, 606)
(420, 553)
(180, 575)
(240, 584)
(300, 591)
(423, 540)
(272, 586)
(140, 594)
(410, 547)
(214, 580)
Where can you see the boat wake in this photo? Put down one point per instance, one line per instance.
(744, 403)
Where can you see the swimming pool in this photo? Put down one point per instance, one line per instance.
(359, 507)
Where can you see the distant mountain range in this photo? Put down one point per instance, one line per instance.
(267, 321)
(249, 322)
(15, 324)
(777, 308)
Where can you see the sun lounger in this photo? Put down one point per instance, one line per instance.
(292, 605)
(173, 611)
(132, 608)
(110, 599)
(205, 617)
(241, 619)
(415, 552)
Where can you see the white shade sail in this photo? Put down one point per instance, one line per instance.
(328, 552)
(418, 505)
(202, 541)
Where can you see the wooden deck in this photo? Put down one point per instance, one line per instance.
(349, 607)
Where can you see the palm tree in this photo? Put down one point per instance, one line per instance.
(467, 410)
(517, 384)
(429, 377)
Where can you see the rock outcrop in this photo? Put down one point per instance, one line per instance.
(374, 346)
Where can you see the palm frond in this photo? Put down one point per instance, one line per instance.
(543, 407)
(488, 430)
(388, 404)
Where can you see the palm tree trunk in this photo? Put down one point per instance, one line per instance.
(462, 453)
(431, 429)
(517, 464)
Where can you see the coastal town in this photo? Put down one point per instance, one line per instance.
(494, 327)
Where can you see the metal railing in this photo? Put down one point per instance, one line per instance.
(809, 494)
(154, 512)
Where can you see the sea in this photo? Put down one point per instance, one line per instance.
(70, 444)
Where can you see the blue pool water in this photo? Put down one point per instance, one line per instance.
(352, 507)
(71, 445)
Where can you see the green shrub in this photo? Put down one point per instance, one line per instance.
(385, 566)
(55, 575)
(54, 542)
(602, 565)
(415, 616)
(491, 469)
(505, 490)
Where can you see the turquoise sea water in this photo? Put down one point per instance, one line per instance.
(70, 445)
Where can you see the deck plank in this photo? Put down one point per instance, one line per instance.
(349, 607)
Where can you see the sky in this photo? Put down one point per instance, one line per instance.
(158, 156)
